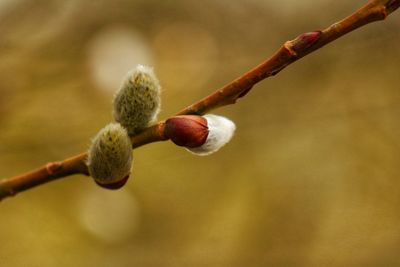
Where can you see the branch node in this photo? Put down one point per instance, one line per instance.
(288, 46)
(161, 130)
(53, 167)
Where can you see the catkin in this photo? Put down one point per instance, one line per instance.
(110, 155)
(137, 102)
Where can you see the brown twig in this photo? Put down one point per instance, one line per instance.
(289, 52)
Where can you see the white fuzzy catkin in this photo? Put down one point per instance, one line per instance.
(110, 154)
(137, 102)
(220, 132)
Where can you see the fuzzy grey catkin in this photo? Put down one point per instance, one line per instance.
(137, 102)
(110, 155)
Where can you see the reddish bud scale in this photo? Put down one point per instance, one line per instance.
(187, 130)
(305, 40)
(114, 186)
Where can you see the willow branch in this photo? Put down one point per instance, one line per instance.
(288, 53)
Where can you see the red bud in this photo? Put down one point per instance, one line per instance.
(306, 40)
(115, 185)
(187, 130)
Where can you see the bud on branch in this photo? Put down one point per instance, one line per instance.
(201, 135)
(110, 157)
(137, 103)
(187, 130)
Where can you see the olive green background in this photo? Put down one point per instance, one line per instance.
(311, 177)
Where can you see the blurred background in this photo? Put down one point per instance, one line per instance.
(311, 177)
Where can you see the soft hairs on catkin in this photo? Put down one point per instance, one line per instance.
(137, 102)
(110, 154)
